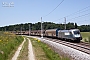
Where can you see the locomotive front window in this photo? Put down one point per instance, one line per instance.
(76, 32)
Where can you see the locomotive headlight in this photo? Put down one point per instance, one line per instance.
(77, 35)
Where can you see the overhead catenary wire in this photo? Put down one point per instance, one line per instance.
(83, 21)
(79, 16)
(83, 10)
(77, 12)
(54, 8)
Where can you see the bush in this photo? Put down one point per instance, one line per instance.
(85, 40)
(89, 39)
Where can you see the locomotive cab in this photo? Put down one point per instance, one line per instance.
(76, 34)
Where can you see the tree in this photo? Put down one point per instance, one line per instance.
(76, 25)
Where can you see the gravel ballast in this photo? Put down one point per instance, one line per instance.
(73, 54)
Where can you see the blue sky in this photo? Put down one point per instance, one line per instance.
(30, 11)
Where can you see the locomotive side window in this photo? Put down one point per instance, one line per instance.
(67, 33)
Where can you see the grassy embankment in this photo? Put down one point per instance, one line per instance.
(44, 52)
(8, 45)
(86, 36)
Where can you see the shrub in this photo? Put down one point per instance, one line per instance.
(89, 39)
(85, 40)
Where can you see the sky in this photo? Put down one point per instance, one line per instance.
(30, 11)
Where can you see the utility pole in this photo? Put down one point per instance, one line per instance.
(41, 29)
(21, 30)
(5, 29)
(65, 22)
(29, 29)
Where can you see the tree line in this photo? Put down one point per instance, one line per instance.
(46, 25)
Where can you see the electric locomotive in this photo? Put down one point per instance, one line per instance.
(72, 34)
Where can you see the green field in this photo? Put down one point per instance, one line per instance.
(85, 36)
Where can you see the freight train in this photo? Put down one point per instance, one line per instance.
(72, 34)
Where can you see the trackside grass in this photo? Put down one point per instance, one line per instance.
(44, 52)
(8, 45)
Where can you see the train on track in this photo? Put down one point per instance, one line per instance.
(71, 35)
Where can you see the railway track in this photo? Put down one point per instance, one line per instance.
(83, 47)
(85, 44)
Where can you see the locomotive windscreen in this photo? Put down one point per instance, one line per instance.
(76, 32)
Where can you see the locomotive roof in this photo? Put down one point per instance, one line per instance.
(63, 30)
(52, 29)
(68, 30)
(74, 29)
